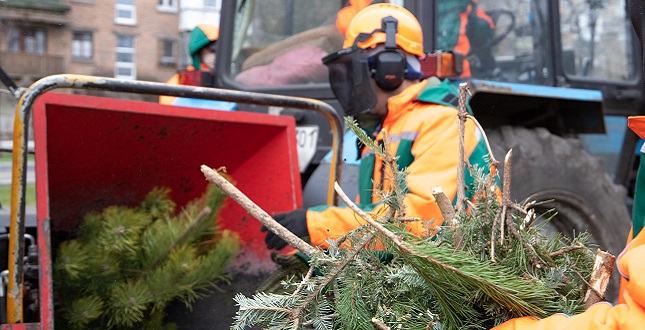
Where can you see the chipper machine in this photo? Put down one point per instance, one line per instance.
(93, 152)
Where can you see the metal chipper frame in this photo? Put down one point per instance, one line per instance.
(92, 152)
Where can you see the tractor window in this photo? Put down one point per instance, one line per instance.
(282, 42)
(502, 40)
(596, 39)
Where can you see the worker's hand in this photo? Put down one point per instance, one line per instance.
(295, 221)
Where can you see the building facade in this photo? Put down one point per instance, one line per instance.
(130, 39)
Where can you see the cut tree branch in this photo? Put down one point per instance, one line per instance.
(366, 216)
(566, 249)
(403, 246)
(461, 115)
(506, 193)
(445, 206)
(600, 276)
(257, 212)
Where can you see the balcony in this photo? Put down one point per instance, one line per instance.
(37, 65)
(35, 11)
(55, 6)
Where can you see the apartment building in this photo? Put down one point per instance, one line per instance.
(130, 39)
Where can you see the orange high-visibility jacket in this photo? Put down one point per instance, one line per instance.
(629, 313)
(174, 80)
(425, 137)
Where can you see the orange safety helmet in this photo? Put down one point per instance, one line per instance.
(409, 35)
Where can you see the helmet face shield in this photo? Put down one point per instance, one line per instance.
(351, 80)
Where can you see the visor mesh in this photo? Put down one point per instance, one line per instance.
(350, 79)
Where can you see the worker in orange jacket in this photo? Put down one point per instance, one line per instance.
(376, 78)
(201, 47)
(464, 27)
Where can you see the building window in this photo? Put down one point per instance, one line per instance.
(167, 6)
(168, 52)
(125, 12)
(27, 40)
(210, 3)
(82, 46)
(124, 67)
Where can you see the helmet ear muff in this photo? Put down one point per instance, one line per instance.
(389, 65)
(389, 70)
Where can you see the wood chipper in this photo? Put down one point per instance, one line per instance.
(93, 152)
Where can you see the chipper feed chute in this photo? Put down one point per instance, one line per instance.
(95, 152)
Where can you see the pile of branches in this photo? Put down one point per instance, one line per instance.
(489, 261)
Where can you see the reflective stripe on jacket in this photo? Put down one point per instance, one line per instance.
(425, 137)
(174, 80)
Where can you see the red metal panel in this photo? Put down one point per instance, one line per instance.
(22, 326)
(95, 152)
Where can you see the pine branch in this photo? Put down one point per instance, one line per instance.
(84, 311)
(187, 233)
(104, 289)
(537, 263)
(269, 309)
(362, 137)
(495, 290)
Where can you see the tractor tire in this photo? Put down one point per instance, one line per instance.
(546, 167)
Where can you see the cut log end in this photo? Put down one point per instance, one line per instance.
(599, 279)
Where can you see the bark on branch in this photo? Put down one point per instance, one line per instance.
(600, 276)
(461, 115)
(257, 212)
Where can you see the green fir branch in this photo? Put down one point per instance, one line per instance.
(128, 303)
(157, 204)
(266, 310)
(155, 257)
(84, 311)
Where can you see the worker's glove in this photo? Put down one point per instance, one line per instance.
(295, 221)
